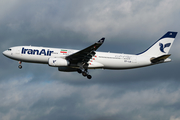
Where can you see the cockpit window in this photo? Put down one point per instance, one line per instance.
(9, 49)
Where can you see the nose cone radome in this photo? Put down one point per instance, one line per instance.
(5, 53)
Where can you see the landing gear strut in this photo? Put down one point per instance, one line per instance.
(20, 66)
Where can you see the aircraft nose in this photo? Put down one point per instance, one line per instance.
(5, 53)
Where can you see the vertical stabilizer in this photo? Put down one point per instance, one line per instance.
(162, 46)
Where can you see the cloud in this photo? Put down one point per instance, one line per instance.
(174, 118)
(51, 99)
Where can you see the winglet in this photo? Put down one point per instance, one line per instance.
(101, 40)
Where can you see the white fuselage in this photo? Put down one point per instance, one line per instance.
(104, 60)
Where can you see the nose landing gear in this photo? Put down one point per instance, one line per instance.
(20, 66)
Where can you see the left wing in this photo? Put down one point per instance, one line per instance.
(83, 56)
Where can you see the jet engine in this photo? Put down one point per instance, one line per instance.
(58, 62)
(67, 69)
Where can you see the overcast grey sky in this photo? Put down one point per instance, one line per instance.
(40, 92)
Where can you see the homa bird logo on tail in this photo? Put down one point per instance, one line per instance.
(162, 47)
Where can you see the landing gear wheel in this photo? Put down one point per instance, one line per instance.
(79, 71)
(84, 74)
(20, 66)
(89, 76)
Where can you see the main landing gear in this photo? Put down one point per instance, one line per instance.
(84, 73)
(20, 66)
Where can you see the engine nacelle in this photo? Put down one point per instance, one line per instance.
(58, 62)
(67, 69)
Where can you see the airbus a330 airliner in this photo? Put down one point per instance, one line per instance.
(69, 60)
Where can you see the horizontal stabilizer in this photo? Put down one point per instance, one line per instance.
(160, 59)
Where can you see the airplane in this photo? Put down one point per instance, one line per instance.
(70, 60)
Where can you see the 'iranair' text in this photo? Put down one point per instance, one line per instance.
(36, 52)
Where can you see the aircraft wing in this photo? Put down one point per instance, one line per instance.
(83, 56)
(159, 59)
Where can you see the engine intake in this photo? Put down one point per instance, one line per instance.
(58, 62)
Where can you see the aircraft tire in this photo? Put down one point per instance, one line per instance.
(79, 71)
(84, 74)
(89, 76)
(20, 66)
